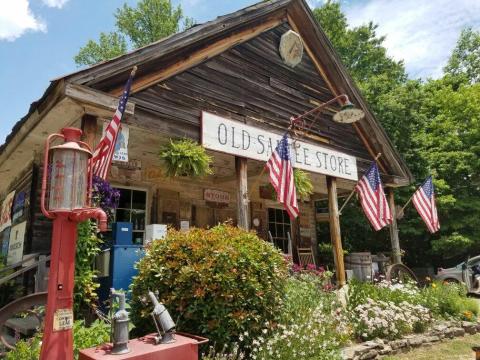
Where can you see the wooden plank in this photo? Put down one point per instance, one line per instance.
(202, 55)
(242, 193)
(85, 94)
(335, 232)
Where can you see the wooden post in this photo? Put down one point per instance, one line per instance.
(242, 193)
(89, 128)
(335, 233)
(396, 257)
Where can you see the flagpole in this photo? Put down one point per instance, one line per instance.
(353, 191)
(406, 204)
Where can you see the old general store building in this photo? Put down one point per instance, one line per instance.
(227, 85)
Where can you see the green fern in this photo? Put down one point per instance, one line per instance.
(185, 158)
(303, 183)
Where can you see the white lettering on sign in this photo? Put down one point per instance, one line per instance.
(63, 320)
(233, 137)
(216, 196)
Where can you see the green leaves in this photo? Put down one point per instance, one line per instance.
(149, 21)
(185, 158)
(303, 183)
(218, 282)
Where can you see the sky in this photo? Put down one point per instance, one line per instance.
(39, 38)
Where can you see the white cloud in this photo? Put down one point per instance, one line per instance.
(16, 18)
(55, 3)
(423, 33)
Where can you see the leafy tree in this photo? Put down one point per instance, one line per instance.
(465, 59)
(109, 45)
(149, 21)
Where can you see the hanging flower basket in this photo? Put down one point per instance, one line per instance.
(185, 158)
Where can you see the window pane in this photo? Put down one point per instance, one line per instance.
(138, 219)
(123, 215)
(125, 199)
(139, 200)
(271, 215)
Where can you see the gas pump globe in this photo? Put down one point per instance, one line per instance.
(69, 170)
(67, 184)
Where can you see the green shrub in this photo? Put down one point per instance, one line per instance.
(450, 300)
(83, 337)
(218, 282)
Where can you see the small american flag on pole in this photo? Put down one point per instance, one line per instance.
(372, 198)
(102, 156)
(424, 202)
(281, 177)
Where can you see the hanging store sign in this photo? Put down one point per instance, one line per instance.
(216, 196)
(6, 211)
(233, 137)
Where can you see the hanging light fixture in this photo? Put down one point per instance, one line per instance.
(348, 113)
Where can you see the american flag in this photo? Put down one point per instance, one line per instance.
(281, 177)
(424, 202)
(102, 156)
(372, 198)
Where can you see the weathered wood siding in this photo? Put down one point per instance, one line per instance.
(248, 83)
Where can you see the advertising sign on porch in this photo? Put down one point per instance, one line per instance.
(15, 247)
(121, 146)
(235, 138)
(6, 211)
(216, 196)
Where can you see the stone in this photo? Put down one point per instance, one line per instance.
(432, 338)
(458, 331)
(387, 349)
(371, 354)
(374, 344)
(470, 328)
(351, 352)
(398, 344)
(416, 341)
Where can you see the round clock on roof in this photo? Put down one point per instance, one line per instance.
(291, 48)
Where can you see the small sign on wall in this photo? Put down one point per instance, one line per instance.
(15, 246)
(216, 196)
(121, 145)
(6, 211)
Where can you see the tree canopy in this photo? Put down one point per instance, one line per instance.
(435, 126)
(149, 21)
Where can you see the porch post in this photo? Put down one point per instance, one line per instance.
(242, 193)
(396, 257)
(335, 233)
(89, 128)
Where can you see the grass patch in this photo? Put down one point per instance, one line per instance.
(460, 348)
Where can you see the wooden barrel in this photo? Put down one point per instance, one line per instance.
(361, 265)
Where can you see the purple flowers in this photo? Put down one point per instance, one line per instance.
(104, 196)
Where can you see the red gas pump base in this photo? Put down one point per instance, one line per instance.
(184, 348)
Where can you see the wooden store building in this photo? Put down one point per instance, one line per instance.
(232, 84)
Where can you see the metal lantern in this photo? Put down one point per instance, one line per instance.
(348, 114)
(69, 173)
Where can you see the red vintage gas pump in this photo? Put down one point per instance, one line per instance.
(66, 185)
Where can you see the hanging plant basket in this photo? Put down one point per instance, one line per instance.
(303, 185)
(185, 158)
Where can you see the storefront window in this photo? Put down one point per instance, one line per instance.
(132, 208)
(279, 227)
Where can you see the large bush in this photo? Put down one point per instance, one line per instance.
(219, 282)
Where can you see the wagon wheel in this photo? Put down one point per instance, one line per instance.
(399, 272)
(31, 304)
